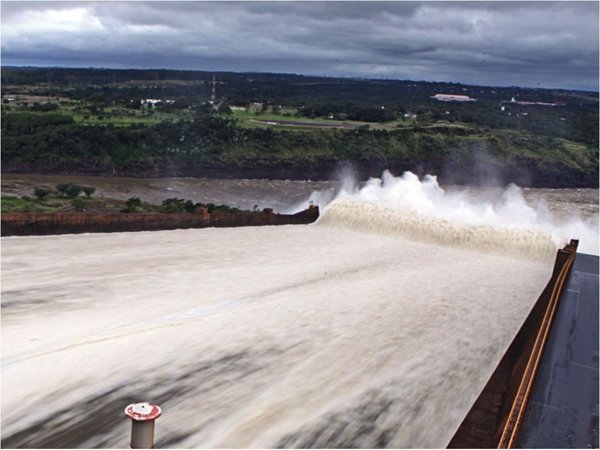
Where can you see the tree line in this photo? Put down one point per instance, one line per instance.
(214, 144)
(341, 98)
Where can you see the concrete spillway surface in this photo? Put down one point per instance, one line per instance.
(323, 335)
(562, 411)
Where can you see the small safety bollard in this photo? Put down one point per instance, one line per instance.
(142, 417)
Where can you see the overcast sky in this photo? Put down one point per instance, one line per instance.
(539, 44)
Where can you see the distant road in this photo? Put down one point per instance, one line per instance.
(306, 124)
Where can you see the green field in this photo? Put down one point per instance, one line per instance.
(116, 116)
(55, 204)
(249, 119)
(121, 117)
(27, 204)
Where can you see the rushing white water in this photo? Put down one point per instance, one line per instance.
(302, 336)
(416, 208)
(513, 241)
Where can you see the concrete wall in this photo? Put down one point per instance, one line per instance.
(484, 425)
(23, 224)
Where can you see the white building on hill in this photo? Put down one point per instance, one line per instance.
(453, 98)
(150, 101)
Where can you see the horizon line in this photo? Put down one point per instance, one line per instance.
(349, 77)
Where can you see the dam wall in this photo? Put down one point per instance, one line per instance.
(26, 224)
(495, 418)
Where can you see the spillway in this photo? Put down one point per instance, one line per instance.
(342, 333)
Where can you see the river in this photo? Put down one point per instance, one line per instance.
(281, 195)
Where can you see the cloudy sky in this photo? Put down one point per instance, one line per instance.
(543, 44)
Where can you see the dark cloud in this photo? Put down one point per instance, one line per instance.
(549, 44)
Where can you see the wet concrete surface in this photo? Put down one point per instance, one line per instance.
(563, 408)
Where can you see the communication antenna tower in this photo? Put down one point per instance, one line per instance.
(213, 94)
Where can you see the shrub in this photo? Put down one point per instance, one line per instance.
(172, 205)
(44, 107)
(41, 192)
(78, 204)
(177, 205)
(189, 206)
(132, 204)
(88, 190)
(211, 207)
(69, 190)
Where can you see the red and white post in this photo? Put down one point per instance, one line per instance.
(142, 417)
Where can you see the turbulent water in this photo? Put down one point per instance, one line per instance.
(417, 208)
(377, 326)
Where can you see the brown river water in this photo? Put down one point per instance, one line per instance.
(377, 326)
(281, 195)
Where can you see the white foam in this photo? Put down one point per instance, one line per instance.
(421, 209)
(255, 335)
(365, 216)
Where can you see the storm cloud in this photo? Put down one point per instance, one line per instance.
(539, 44)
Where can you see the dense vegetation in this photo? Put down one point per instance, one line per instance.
(94, 122)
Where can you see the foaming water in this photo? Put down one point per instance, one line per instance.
(371, 328)
(370, 217)
(288, 336)
(423, 210)
(564, 213)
